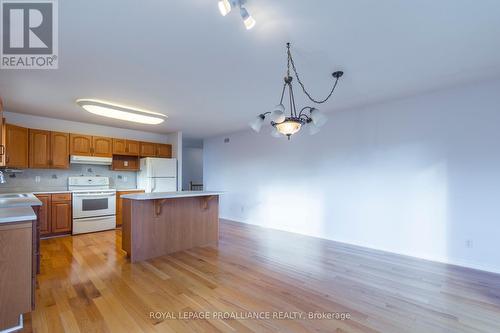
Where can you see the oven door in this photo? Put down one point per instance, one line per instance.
(91, 204)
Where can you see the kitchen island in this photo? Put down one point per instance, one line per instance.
(156, 224)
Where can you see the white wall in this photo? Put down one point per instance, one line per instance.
(175, 139)
(419, 176)
(192, 166)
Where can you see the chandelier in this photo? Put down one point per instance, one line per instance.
(308, 116)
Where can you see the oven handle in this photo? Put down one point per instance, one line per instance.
(94, 195)
(83, 219)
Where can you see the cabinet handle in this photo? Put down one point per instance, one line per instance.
(2, 149)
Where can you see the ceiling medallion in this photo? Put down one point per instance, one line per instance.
(308, 116)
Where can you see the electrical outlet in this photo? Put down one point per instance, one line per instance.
(469, 244)
(37, 179)
(125, 178)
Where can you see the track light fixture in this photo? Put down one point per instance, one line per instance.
(225, 7)
(308, 116)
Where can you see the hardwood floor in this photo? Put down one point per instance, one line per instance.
(87, 285)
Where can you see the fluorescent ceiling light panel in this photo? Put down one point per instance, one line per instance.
(122, 112)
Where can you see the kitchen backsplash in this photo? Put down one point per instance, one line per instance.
(48, 179)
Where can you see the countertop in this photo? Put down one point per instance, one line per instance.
(16, 214)
(169, 195)
(35, 190)
(27, 201)
(128, 189)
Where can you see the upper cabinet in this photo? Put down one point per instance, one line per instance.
(16, 146)
(126, 147)
(39, 149)
(133, 148)
(80, 144)
(148, 149)
(48, 150)
(59, 150)
(119, 147)
(164, 150)
(102, 146)
(87, 145)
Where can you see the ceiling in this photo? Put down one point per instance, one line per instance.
(211, 76)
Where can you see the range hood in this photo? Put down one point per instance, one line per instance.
(75, 159)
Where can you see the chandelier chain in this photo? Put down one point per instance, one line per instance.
(292, 63)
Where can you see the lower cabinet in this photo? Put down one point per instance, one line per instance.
(119, 204)
(55, 214)
(17, 279)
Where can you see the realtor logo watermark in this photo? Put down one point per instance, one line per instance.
(29, 33)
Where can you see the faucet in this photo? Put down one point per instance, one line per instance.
(2, 178)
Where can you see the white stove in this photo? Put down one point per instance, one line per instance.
(94, 204)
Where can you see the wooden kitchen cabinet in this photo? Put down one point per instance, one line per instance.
(55, 214)
(59, 150)
(39, 149)
(102, 146)
(88, 145)
(60, 219)
(80, 144)
(126, 147)
(44, 214)
(17, 276)
(48, 149)
(119, 204)
(148, 149)
(119, 147)
(125, 163)
(16, 146)
(163, 150)
(133, 148)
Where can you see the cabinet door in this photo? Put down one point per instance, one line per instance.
(148, 149)
(80, 144)
(102, 146)
(119, 147)
(59, 149)
(60, 217)
(44, 214)
(16, 148)
(39, 149)
(164, 150)
(133, 148)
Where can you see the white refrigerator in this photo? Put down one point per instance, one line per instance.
(157, 174)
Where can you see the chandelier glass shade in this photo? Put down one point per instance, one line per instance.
(308, 116)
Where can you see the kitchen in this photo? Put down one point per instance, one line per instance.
(63, 184)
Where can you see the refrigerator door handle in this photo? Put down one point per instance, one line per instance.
(154, 184)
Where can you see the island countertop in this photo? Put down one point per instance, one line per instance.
(170, 195)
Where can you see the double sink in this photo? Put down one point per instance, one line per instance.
(8, 200)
